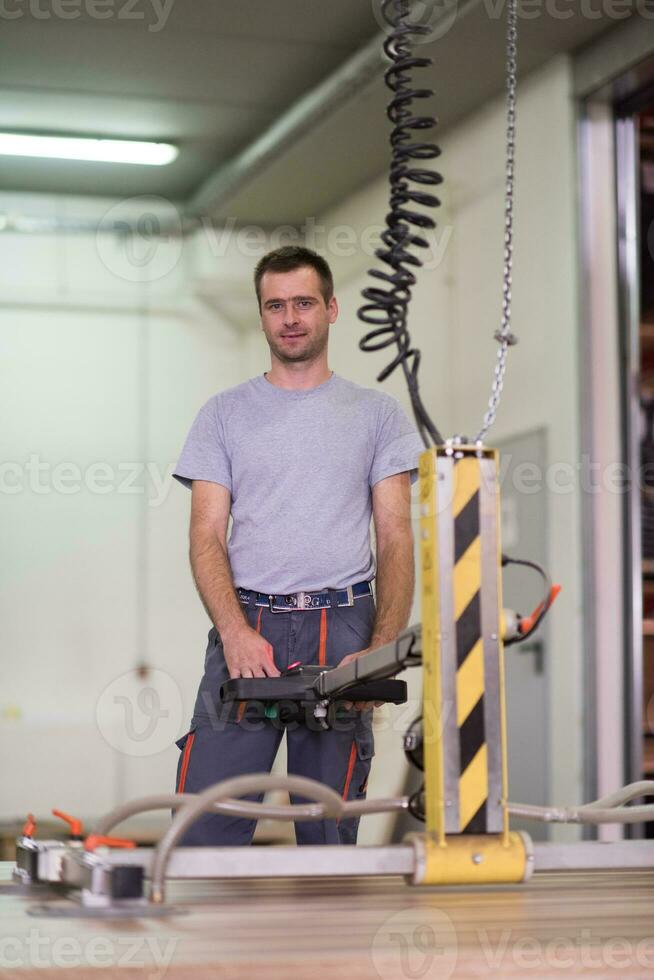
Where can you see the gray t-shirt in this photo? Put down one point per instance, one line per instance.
(299, 466)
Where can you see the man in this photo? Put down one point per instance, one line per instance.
(301, 458)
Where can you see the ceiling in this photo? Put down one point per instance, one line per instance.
(213, 75)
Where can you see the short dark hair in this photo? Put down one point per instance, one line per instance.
(291, 257)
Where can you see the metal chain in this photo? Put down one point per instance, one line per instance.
(504, 336)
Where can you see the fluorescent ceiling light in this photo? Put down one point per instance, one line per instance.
(81, 148)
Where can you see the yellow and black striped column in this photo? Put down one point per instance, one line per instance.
(466, 772)
(473, 767)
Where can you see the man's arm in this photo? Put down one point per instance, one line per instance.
(391, 511)
(395, 580)
(247, 653)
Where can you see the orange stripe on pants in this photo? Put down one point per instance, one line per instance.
(242, 706)
(350, 770)
(322, 647)
(185, 762)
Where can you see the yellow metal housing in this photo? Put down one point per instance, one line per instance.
(472, 859)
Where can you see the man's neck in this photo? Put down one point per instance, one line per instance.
(298, 376)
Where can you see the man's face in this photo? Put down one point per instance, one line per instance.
(294, 315)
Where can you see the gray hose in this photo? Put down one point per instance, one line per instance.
(246, 808)
(240, 785)
(167, 801)
(645, 787)
(608, 809)
(589, 814)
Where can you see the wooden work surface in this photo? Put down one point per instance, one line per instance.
(592, 924)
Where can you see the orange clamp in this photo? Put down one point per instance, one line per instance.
(29, 826)
(97, 840)
(76, 828)
(527, 622)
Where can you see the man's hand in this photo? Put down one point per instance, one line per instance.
(248, 654)
(359, 705)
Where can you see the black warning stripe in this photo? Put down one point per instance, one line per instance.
(466, 527)
(468, 628)
(477, 824)
(472, 734)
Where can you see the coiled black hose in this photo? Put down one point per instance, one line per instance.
(387, 307)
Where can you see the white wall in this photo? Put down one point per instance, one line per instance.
(106, 358)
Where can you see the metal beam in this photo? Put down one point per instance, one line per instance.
(594, 856)
(274, 862)
(219, 863)
(325, 98)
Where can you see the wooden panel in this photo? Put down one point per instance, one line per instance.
(596, 924)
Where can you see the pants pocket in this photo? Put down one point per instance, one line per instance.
(356, 780)
(365, 746)
(354, 626)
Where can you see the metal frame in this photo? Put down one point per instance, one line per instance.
(626, 162)
(603, 516)
(398, 859)
(609, 78)
(69, 866)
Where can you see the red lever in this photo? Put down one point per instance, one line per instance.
(97, 840)
(76, 828)
(527, 622)
(29, 826)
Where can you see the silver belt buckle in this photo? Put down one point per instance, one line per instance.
(350, 595)
(302, 601)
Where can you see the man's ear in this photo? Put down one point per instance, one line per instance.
(332, 308)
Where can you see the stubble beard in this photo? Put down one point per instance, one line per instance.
(310, 352)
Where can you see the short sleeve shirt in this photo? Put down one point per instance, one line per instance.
(300, 466)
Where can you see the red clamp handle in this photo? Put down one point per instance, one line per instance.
(527, 622)
(76, 828)
(97, 840)
(29, 826)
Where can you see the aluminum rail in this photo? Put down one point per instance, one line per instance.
(341, 861)
(307, 861)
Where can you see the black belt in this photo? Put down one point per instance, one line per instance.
(307, 600)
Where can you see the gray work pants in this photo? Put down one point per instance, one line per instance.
(229, 740)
